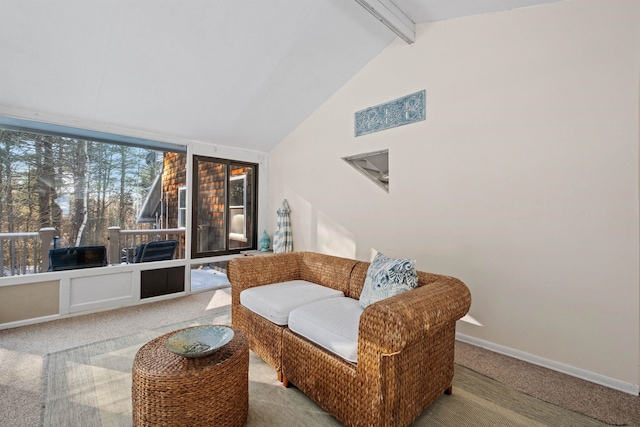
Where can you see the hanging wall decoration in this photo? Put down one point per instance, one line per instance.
(401, 111)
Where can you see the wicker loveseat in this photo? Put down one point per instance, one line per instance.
(405, 343)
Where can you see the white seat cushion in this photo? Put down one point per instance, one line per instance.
(332, 324)
(274, 302)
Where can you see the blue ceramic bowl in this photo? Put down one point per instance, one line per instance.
(199, 341)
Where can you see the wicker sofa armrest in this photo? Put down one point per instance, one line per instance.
(388, 326)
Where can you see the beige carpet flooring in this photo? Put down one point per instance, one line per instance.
(611, 406)
(23, 350)
(90, 386)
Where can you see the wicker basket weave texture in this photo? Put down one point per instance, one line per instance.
(393, 394)
(405, 343)
(326, 270)
(405, 356)
(265, 338)
(171, 390)
(356, 281)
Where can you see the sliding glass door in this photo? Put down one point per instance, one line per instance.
(225, 206)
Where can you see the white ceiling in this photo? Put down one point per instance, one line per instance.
(231, 72)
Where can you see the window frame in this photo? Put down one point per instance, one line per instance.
(182, 211)
(252, 242)
(239, 236)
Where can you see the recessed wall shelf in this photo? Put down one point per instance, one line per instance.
(374, 166)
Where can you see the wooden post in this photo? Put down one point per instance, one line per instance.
(46, 237)
(113, 251)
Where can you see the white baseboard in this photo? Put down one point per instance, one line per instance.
(613, 383)
(31, 321)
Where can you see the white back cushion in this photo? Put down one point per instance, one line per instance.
(274, 302)
(332, 324)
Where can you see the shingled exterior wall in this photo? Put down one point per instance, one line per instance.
(211, 206)
(211, 203)
(174, 176)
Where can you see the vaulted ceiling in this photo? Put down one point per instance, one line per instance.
(243, 73)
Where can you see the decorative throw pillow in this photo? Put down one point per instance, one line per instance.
(387, 277)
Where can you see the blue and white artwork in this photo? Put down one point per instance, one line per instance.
(401, 111)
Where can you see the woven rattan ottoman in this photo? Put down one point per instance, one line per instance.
(171, 390)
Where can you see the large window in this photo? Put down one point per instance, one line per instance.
(81, 183)
(225, 208)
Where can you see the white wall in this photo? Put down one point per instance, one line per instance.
(523, 180)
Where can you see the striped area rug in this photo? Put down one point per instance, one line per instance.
(91, 386)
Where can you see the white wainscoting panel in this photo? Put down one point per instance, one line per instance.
(102, 291)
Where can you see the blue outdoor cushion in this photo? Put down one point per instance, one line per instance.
(160, 250)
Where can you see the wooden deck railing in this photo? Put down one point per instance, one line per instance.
(122, 243)
(28, 253)
(25, 253)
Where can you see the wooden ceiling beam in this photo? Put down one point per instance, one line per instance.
(391, 16)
